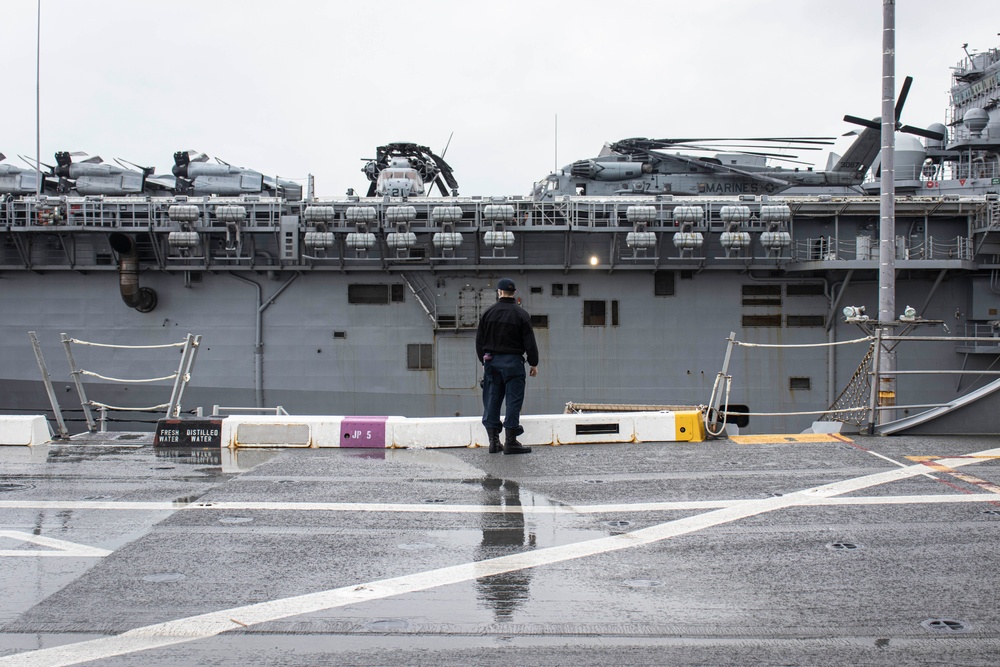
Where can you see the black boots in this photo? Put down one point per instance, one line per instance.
(494, 435)
(512, 446)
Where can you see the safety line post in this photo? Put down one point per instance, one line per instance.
(191, 344)
(724, 373)
(873, 400)
(75, 374)
(47, 381)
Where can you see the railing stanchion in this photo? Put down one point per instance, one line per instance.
(872, 412)
(47, 380)
(75, 374)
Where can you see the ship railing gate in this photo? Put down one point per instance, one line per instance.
(719, 413)
(882, 404)
(181, 378)
(869, 398)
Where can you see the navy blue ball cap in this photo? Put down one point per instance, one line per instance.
(506, 284)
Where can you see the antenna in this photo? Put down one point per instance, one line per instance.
(555, 157)
(38, 96)
(447, 144)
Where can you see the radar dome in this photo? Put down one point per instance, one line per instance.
(976, 120)
(909, 157)
(937, 143)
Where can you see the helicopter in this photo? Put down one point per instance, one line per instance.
(402, 169)
(17, 181)
(90, 176)
(640, 166)
(194, 175)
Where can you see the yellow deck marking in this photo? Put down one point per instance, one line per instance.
(787, 438)
(918, 459)
(933, 463)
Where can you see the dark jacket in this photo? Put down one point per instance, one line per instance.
(505, 328)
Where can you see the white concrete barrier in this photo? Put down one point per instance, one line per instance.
(436, 432)
(24, 430)
(277, 431)
(442, 432)
(580, 429)
(825, 427)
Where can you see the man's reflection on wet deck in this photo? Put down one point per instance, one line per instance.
(503, 534)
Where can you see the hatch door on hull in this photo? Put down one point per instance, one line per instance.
(456, 363)
(471, 303)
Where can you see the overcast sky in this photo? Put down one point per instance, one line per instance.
(304, 86)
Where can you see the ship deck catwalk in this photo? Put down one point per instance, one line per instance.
(766, 550)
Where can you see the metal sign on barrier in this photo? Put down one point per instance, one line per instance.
(191, 432)
(366, 432)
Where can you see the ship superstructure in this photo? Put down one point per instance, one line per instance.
(368, 305)
(361, 305)
(969, 162)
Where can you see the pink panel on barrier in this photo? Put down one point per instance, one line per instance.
(368, 432)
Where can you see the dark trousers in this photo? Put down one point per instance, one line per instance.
(503, 383)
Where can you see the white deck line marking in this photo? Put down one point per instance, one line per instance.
(365, 507)
(207, 625)
(884, 457)
(87, 505)
(894, 462)
(470, 509)
(477, 509)
(913, 500)
(57, 548)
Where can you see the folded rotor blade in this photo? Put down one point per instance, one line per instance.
(920, 132)
(866, 122)
(902, 96)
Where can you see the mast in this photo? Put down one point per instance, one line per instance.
(38, 101)
(887, 213)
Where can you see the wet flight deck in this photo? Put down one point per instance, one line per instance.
(775, 550)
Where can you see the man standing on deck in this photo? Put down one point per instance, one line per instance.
(503, 339)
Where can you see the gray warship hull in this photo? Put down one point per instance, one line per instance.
(369, 305)
(389, 328)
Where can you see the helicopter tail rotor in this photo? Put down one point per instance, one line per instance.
(125, 164)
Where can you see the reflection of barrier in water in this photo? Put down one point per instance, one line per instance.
(207, 456)
(181, 377)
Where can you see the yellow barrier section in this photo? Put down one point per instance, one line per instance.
(778, 439)
(689, 426)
